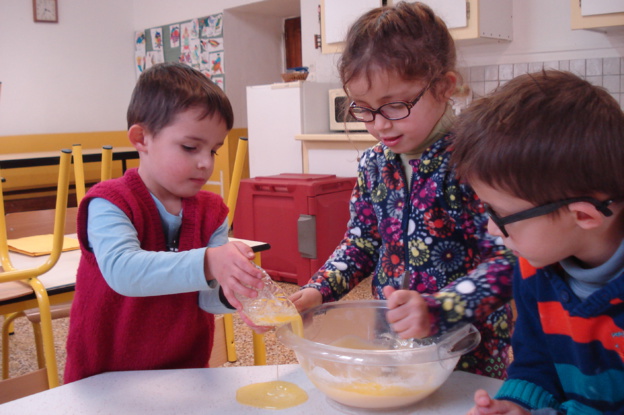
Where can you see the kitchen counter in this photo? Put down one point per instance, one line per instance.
(335, 153)
(213, 391)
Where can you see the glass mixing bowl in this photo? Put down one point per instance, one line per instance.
(350, 353)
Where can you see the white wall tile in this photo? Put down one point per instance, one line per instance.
(477, 73)
(594, 80)
(536, 66)
(611, 66)
(577, 67)
(491, 73)
(551, 65)
(621, 83)
(478, 89)
(505, 72)
(490, 86)
(611, 83)
(616, 97)
(564, 65)
(593, 67)
(520, 69)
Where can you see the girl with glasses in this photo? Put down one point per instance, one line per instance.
(414, 227)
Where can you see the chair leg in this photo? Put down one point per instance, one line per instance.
(230, 347)
(6, 327)
(39, 344)
(259, 349)
(46, 332)
(11, 327)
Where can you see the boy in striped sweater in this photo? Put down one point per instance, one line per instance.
(545, 153)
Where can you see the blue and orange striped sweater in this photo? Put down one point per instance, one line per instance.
(568, 353)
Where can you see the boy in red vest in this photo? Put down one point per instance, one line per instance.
(545, 153)
(156, 262)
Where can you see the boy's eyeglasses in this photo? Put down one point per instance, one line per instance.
(601, 206)
(391, 111)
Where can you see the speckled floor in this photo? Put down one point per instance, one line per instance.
(23, 357)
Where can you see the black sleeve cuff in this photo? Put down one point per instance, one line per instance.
(224, 300)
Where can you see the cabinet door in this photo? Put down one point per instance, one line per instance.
(593, 14)
(594, 7)
(453, 12)
(336, 18)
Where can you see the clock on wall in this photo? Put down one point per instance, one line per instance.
(45, 11)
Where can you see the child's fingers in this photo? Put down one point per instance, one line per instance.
(244, 249)
(408, 314)
(306, 298)
(482, 398)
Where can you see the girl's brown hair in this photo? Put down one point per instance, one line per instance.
(165, 90)
(407, 40)
(544, 137)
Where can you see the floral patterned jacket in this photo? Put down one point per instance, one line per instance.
(436, 231)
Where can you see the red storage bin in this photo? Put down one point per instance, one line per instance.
(302, 216)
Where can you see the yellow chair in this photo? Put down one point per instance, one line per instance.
(29, 276)
(31, 223)
(79, 174)
(259, 346)
(21, 224)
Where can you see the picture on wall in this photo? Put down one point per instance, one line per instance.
(196, 42)
(174, 35)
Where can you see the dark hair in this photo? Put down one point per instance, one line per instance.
(543, 137)
(408, 40)
(165, 90)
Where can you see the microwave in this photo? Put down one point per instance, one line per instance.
(339, 117)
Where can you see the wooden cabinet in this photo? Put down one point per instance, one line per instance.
(336, 18)
(484, 19)
(603, 14)
(467, 20)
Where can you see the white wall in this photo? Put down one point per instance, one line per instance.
(77, 75)
(541, 32)
(72, 76)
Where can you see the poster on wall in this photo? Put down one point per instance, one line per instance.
(157, 39)
(174, 35)
(211, 26)
(196, 42)
(139, 52)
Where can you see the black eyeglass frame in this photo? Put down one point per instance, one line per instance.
(409, 105)
(601, 206)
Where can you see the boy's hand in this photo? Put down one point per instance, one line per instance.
(230, 265)
(408, 313)
(306, 298)
(484, 405)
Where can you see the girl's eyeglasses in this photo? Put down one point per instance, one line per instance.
(601, 206)
(391, 111)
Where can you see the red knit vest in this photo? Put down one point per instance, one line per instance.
(112, 332)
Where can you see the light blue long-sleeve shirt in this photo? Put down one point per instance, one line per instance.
(132, 271)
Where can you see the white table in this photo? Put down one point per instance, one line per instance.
(62, 274)
(213, 391)
(59, 281)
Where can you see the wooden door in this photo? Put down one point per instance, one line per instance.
(292, 41)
